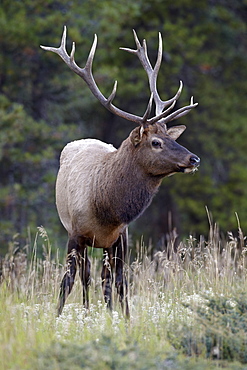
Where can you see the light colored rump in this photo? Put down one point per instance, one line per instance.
(79, 163)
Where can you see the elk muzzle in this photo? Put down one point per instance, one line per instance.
(194, 163)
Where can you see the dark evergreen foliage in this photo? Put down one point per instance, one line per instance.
(43, 104)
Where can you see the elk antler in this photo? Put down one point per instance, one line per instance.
(152, 73)
(86, 74)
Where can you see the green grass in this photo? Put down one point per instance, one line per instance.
(188, 310)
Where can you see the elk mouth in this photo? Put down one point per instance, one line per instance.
(183, 169)
(189, 169)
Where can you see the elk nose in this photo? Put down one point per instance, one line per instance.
(194, 160)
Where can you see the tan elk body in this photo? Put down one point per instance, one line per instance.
(101, 189)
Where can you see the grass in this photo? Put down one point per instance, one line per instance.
(188, 310)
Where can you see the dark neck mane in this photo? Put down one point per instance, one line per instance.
(123, 191)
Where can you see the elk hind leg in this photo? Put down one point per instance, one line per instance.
(106, 276)
(120, 251)
(69, 276)
(85, 265)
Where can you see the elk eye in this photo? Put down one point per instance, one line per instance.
(156, 144)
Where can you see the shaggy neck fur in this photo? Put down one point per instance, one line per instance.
(122, 189)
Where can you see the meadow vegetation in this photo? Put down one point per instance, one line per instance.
(188, 309)
(43, 105)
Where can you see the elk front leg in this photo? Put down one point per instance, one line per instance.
(119, 252)
(69, 276)
(106, 276)
(84, 265)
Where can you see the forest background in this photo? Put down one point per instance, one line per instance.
(43, 105)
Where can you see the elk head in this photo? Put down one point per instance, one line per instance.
(158, 152)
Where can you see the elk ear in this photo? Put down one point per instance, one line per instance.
(136, 135)
(175, 131)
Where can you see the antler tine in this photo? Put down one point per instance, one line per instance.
(159, 57)
(113, 94)
(63, 41)
(89, 63)
(160, 105)
(138, 44)
(72, 54)
(180, 112)
(148, 110)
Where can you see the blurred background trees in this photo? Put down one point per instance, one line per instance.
(43, 105)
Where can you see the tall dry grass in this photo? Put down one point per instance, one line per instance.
(185, 299)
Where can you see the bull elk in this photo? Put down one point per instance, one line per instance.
(101, 189)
